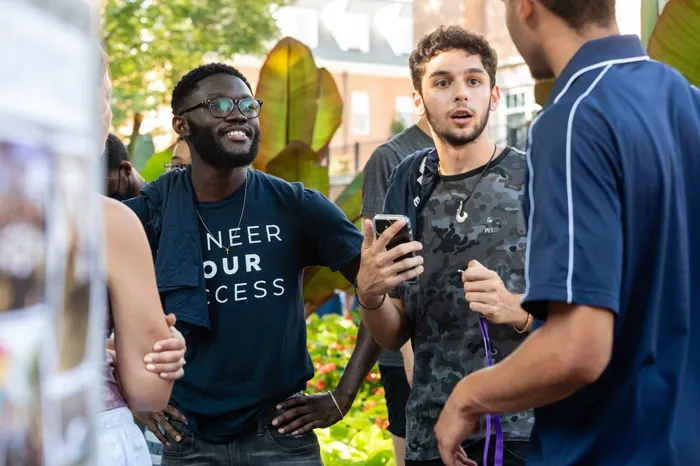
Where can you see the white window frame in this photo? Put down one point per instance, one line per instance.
(360, 107)
(404, 110)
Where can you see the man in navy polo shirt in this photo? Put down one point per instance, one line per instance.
(612, 251)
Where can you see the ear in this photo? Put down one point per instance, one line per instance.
(126, 167)
(525, 10)
(418, 104)
(495, 98)
(180, 126)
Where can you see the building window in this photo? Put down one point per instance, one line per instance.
(403, 107)
(515, 100)
(519, 109)
(359, 105)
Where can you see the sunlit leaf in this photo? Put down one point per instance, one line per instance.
(542, 89)
(289, 87)
(156, 165)
(142, 151)
(297, 162)
(319, 282)
(330, 111)
(350, 200)
(650, 13)
(676, 38)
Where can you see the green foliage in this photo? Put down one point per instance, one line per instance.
(361, 437)
(156, 165)
(301, 103)
(319, 282)
(676, 38)
(298, 162)
(397, 126)
(141, 150)
(170, 37)
(302, 110)
(671, 34)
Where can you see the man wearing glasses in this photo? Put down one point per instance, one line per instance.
(230, 245)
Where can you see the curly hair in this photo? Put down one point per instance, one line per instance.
(581, 13)
(189, 82)
(444, 39)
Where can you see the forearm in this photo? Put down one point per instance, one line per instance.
(536, 374)
(521, 319)
(361, 362)
(386, 323)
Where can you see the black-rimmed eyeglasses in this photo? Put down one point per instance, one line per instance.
(221, 107)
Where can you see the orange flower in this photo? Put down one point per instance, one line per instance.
(320, 385)
(326, 368)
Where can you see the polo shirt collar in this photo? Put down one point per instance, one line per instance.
(598, 52)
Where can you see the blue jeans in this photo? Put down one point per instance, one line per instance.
(260, 446)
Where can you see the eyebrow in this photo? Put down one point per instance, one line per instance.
(214, 95)
(438, 73)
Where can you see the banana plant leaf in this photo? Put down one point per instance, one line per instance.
(142, 151)
(289, 86)
(330, 111)
(676, 38)
(156, 165)
(542, 89)
(319, 282)
(298, 162)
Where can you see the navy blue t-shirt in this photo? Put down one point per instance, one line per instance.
(256, 353)
(614, 222)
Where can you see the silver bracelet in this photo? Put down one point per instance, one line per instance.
(337, 405)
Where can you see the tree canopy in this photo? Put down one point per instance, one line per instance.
(152, 43)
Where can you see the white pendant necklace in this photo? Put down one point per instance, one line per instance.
(462, 215)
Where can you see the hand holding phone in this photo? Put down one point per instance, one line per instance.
(388, 257)
(382, 222)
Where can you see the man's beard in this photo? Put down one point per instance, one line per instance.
(457, 140)
(211, 151)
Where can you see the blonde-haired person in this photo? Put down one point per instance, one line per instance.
(150, 350)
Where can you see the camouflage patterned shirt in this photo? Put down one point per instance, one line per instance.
(446, 336)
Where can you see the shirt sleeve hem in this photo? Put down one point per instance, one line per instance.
(582, 297)
(345, 260)
(370, 212)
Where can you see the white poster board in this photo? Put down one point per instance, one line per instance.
(52, 295)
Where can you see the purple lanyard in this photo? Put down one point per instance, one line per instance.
(498, 460)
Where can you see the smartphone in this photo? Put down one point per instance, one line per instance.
(382, 222)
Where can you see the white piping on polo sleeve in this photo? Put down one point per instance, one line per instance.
(607, 64)
(569, 188)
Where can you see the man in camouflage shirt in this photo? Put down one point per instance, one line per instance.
(463, 200)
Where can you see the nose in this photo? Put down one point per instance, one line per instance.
(461, 92)
(236, 115)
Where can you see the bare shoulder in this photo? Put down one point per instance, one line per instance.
(121, 223)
